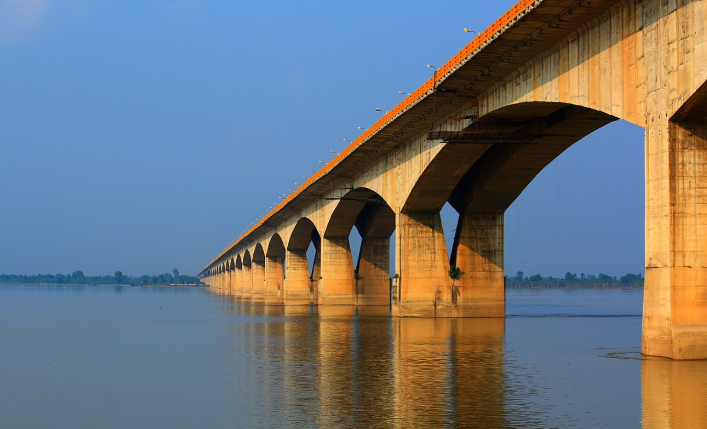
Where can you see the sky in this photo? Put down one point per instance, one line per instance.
(144, 136)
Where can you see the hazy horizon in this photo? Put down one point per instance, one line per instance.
(146, 136)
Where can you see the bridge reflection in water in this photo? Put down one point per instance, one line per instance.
(336, 367)
(674, 393)
(342, 369)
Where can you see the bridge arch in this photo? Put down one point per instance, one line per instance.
(247, 274)
(488, 164)
(366, 282)
(275, 267)
(231, 287)
(258, 272)
(301, 282)
(238, 275)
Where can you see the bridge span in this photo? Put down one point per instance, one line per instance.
(543, 76)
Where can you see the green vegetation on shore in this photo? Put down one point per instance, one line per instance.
(78, 278)
(520, 280)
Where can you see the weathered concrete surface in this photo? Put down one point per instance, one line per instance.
(542, 77)
(425, 288)
(480, 292)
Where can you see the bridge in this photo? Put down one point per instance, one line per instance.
(543, 76)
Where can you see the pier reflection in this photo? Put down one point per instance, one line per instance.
(338, 368)
(449, 372)
(674, 393)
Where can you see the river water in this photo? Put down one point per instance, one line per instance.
(133, 357)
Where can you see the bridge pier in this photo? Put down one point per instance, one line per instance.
(274, 279)
(424, 288)
(478, 252)
(373, 274)
(297, 283)
(337, 285)
(257, 290)
(238, 285)
(375, 223)
(675, 294)
(247, 281)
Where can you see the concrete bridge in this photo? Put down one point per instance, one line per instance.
(543, 76)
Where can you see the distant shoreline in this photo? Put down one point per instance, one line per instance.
(608, 285)
(101, 284)
(509, 285)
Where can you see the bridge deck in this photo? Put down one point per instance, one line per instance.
(526, 29)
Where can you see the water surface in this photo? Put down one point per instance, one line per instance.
(130, 357)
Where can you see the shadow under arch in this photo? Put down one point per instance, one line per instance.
(301, 283)
(238, 282)
(247, 276)
(274, 269)
(368, 283)
(231, 277)
(258, 273)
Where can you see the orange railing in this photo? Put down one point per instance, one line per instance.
(419, 93)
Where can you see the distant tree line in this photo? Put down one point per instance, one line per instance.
(570, 280)
(78, 277)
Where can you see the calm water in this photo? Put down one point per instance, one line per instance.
(104, 357)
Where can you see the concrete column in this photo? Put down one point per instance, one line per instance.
(478, 252)
(247, 277)
(373, 282)
(297, 283)
(258, 287)
(337, 286)
(274, 279)
(675, 295)
(229, 282)
(424, 288)
(238, 282)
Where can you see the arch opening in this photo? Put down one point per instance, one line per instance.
(230, 276)
(247, 275)
(490, 162)
(303, 263)
(366, 279)
(275, 267)
(258, 272)
(238, 276)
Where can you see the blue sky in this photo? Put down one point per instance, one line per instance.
(144, 136)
